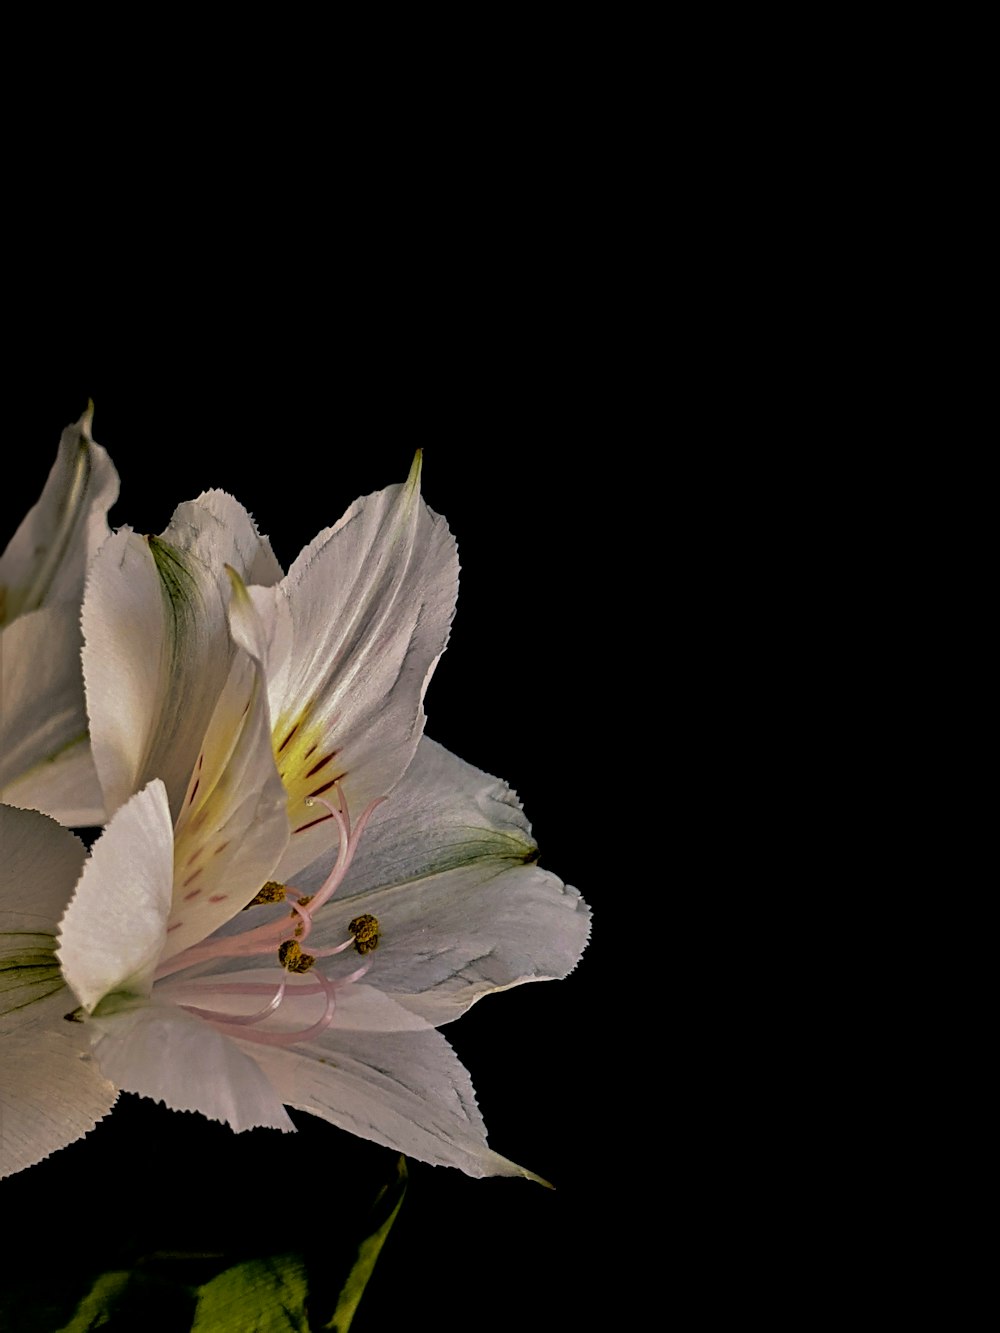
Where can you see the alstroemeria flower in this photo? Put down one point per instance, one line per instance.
(51, 1091)
(45, 755)
(236, 1013)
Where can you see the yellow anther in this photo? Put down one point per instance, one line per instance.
(366, 933)
(271, 892)
(292, 959)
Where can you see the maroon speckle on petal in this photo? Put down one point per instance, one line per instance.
(193, 894)
(218, 897)
(174, 926)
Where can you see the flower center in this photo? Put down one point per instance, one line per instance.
(319, 992)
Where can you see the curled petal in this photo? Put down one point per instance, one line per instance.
(45, 756)
(45, 561)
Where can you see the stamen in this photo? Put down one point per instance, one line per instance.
(292, 959)
(366, 933)
(271, 892)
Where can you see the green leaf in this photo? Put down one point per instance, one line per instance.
(380, 1220)
(317, 1291)
(259, 1296)
(123, 1300)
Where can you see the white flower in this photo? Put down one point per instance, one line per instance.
(237, 1013)
(51, 1092)
(45, 757)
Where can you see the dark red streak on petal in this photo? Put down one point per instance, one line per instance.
(288, 738)
(302, 828)
(322, 763)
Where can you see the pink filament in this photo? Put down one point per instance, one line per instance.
(265, 939)
(222, 1023)
(213, 1015)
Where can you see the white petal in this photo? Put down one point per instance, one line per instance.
(47, 557)
(360, 622)
(39, 865)
(360, 1008)
(157, 644)
(68, 788)
(451, 939)
(112, 935)
(156, 655)
(446, 865)
(51, 1093)
(159, 1051)
(233, 827)
(218, 531)
(45, 757)
(406, 1090)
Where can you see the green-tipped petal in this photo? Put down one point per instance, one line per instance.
(45, 759)
(358, 626)
(46, 560)
(406, 1090)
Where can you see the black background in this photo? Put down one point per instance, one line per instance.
(517, 457)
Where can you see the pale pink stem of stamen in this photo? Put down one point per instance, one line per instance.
(288, 1038)
(346, 852)
(263, 939)
(218, 988)
(214, 1016)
